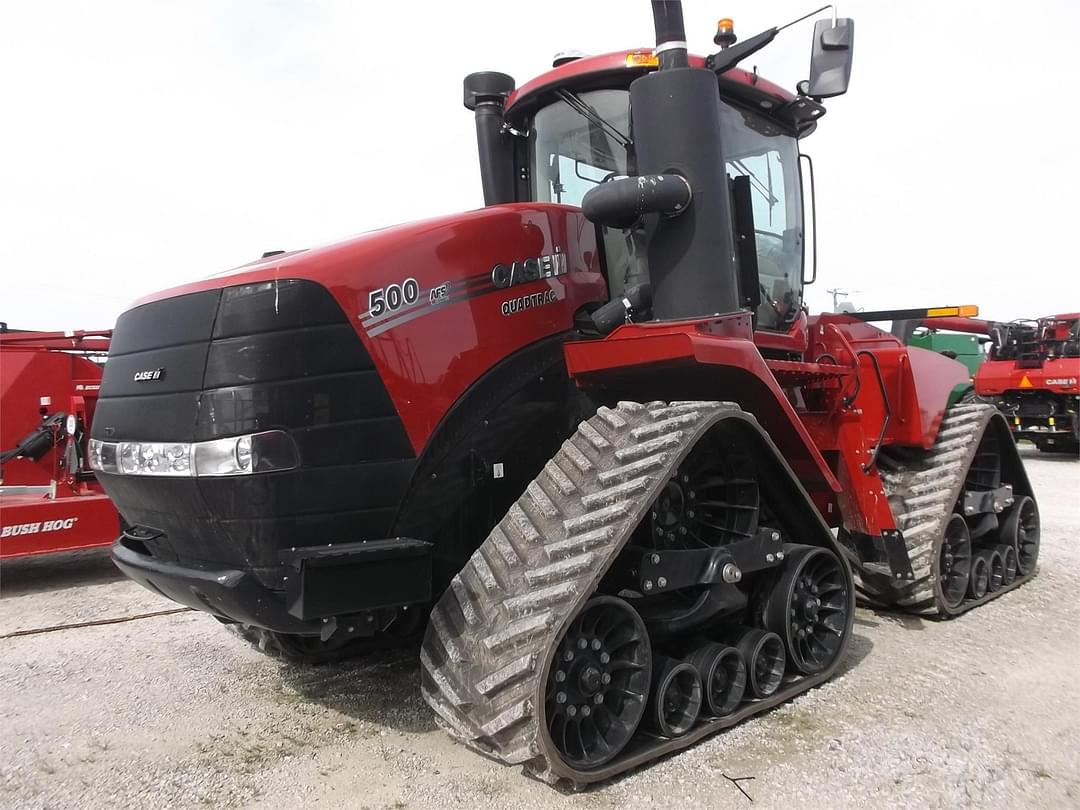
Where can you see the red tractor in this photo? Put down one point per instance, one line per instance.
(1032, 374)
(50, 500)
(592, 423)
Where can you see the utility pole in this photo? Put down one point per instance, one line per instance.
(838, 293)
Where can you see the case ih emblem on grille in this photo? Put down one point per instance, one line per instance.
(150, 375)
(534, 269)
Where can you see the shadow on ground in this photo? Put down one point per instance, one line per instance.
(858, 648)
(380, 687)
(54, 572)
(875, 617)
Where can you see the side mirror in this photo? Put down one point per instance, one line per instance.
(830, 57)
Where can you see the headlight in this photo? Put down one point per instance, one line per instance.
(269, 451)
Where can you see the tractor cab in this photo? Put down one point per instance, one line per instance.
(571, 130)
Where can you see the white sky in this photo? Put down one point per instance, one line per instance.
(145, 144)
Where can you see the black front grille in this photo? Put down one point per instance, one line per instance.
(275, 355)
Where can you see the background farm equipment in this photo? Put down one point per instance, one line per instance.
(50, 500)
(1031, 373)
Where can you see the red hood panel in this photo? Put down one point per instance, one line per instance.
(423, 300)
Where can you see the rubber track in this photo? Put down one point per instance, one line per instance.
(922, 495)
(484, 657)
(486, 651)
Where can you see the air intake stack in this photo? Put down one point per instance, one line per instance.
(485, 95)
(676, 112)
(677, 129)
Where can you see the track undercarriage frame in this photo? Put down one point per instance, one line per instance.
(492, 660)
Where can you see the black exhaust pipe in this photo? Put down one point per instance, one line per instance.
(670, 34)
(485, 95)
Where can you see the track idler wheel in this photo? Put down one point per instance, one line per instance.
(675, 702)
(1008, 563)
(765, 660)
(808, 608)
(954, 561)
(995, 569)
(980, 577)
(1020, 529)
(598, 683)
(723, 676)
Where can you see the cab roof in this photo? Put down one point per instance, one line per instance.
(619, 68)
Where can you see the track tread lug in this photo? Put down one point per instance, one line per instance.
(558, 477)
(506, 675)
(616, 493)
(506, 549)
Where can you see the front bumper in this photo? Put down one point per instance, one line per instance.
(227, 593)
(363, 582)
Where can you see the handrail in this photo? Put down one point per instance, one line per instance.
(888, 410)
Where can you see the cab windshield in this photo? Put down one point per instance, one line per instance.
(582, 140)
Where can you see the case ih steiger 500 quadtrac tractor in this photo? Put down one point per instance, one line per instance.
(592, 422)
(1032, 374)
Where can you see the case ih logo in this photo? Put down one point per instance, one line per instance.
(150, 375)
(59, 525)
(534, 269)
(1061, 381)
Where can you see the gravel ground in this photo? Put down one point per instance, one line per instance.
(178, 711)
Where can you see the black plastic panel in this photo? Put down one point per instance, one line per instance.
(180, 367)
(352, 577)
(171, 322)
(274, 306)
(307, 491)
(152, 418)
(373, 439)
(293, 354)
(293, 403)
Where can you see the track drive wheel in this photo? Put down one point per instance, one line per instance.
(1020, 529)
(598, 683)
(808, 607)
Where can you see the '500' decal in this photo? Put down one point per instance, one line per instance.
(393, 297)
